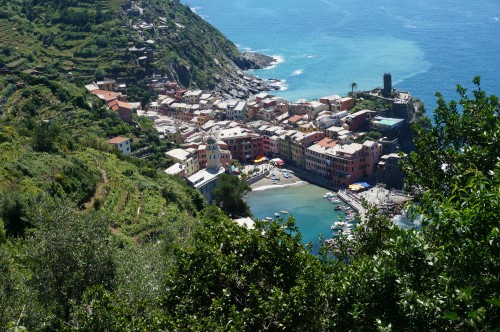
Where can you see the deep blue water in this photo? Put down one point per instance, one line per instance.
(325, 45)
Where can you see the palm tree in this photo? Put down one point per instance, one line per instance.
(354, 85)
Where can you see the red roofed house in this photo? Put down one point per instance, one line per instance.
(108, 95)
(123, 108)
(117, 102)
(122, 144)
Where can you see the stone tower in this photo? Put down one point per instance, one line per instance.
(387, 85)
(213, 153)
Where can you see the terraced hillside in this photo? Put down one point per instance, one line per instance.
(121, 39)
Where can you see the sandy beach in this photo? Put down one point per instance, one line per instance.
(266, 183)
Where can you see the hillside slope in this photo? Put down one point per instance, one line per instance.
(126, 40)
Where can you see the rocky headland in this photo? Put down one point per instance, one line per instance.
(239, 84)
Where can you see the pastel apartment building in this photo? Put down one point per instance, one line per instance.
(238, 111)
(243, 144)
(329, 101)
(348, 163)
(314, 156)
(187, 158)
(286, 143)
(271, 145)
(343, 164)
(301, 142)
(192, 97)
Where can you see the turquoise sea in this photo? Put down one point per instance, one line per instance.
(313, 214)
(324, 45)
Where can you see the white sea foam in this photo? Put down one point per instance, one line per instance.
(277, 60)
(297, 72)
(195, 9)
(275, 186)
(281, 84)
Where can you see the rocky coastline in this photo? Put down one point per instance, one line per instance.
(240, 84)
(252, 60)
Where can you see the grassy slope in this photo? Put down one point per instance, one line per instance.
(91, 39)
(79, 162)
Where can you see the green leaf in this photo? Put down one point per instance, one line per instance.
(451, 316)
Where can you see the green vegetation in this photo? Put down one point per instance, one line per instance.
(94, 39)
(371, 103)
(228, 195)
(94, 240)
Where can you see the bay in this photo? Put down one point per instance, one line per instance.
(324, 45)
(313, 214)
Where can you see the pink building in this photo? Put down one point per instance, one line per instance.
(348, 163)
(343, 164)
(271, 145)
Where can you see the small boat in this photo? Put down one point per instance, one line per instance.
(338, 225)
(328, 195)
(335, 200)
(276, 214)
(269, 218)
(284, 211)
(337, 208)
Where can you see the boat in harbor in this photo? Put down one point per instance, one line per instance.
(276, 214)
(335, 200)
(269, 218)
(284, 212)
(338, 225)
(337, 208)
(329, 195)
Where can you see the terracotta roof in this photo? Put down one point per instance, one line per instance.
(116, 104)
(295, 118)
(117, 140)
(327, 142)
(106, 95)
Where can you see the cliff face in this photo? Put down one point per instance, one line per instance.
(122, 39)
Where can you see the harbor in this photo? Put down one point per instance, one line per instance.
(317, 211)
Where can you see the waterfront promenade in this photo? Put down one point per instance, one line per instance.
(353, 201)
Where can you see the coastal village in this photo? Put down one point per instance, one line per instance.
(326, 141)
